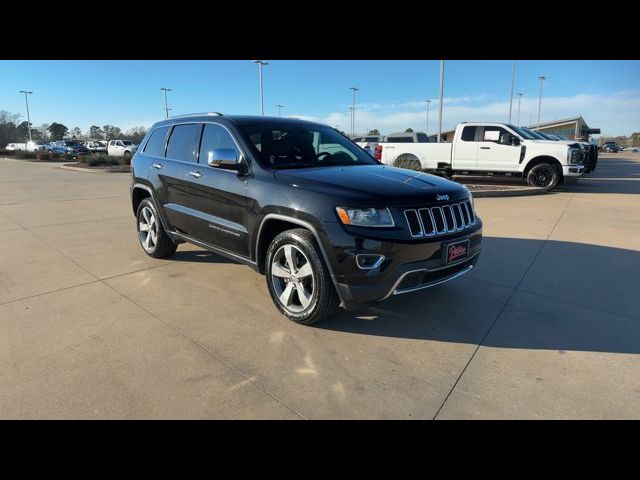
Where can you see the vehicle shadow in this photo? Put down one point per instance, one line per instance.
(575, 297)
(199, 256)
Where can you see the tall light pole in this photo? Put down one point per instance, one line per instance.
(441, 95)
(428, 105)
(513, 79)
(542, 78)
(353, 111)
(261, 63)
(26, 101)
(520, 95)
(166, 106)
(280, 107)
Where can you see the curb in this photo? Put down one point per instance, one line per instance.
(87, 170)
(522, 192)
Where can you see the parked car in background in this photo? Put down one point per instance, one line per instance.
(490, 148)
(121, 148)
(406, 137)
(368, 142)
(589, 150)
(610, 147)
(16, 146)
(70, 148)
(36, 146)
(97, 146)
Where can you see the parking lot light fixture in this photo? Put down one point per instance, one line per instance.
(441, 98)
(513, 79)
(428, 105)
(353, 111)
(166, 106)
(542, 78)
(26, 101)
(280, 107)
(520, 95)
(261, 63)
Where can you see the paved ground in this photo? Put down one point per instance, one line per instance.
(548, 326)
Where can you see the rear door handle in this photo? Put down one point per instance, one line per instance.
(485, 148)
(157, 165)
(195, 174)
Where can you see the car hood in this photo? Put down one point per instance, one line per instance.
(373, 182)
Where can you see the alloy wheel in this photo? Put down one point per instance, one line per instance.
(292, 278)
(148, 229)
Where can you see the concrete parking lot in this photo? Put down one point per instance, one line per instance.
(548, 326)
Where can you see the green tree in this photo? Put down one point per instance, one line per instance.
(96, 133)
(409, 130)
(135, 134)
(57, 130)
(375, 131)
(111, 132)
(23, 132)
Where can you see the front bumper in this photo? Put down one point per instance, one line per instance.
(575, 170)
(407, 267)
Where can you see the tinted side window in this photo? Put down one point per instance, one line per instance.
(400, 139)
(183, 142)
(469, 134)
(215, 137)
(155, 145)
(422, 138)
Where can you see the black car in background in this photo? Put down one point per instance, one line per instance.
(71, 148)
(302, 204)
(610, 147)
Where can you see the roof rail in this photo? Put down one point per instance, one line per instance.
(217, 114)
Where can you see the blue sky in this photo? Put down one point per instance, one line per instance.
(391, 97)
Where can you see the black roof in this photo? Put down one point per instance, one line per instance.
(237, 119)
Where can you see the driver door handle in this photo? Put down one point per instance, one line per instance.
(485, 148)
(195, 174)
(157, 165)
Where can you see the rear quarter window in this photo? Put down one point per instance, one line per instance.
(155, 144)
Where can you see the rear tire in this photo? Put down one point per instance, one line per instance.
(543, 175)
(303, 292)
(153, 239)
(409, 162)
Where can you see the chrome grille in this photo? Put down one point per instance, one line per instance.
(440, 220)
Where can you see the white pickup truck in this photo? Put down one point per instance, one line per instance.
(490, 148)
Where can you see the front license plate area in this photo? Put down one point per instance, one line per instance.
(456, 251)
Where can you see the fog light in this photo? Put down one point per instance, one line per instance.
(367, 261)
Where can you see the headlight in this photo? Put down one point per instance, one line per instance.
(365, 217)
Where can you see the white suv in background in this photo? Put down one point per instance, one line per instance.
(121, 148)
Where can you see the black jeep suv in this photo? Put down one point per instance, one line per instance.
(301, 203)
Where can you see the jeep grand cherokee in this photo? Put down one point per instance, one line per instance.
(305, 206)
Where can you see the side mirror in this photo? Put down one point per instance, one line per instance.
(506, 139)
(227, 159)
(515, 141)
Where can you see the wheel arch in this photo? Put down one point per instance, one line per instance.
(271, 225)
(543, 159)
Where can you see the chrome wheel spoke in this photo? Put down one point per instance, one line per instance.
(287, 295)
(143, 227)
(279, 271)
(304, 271)
(289, 254)
(303, 295)
(146, 240)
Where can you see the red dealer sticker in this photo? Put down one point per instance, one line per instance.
(456, 251)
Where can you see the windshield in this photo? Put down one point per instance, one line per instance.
(535, 135)
(126, 142)
(523, 132)
(298, 145)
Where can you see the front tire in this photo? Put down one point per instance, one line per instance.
(543, 175)
(297, 278)
(153, 239)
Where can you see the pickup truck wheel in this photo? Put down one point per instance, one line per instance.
(543, 175)
(297, 278)
(153, 239)
(127, 154)
(410, 162)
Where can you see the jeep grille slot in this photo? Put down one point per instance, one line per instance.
(440, 220)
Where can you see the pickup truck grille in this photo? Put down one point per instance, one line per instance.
(440, 220)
